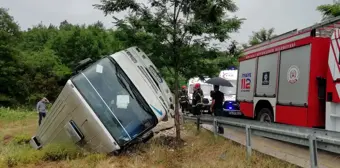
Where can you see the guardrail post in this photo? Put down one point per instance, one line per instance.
(182, 118)
(215, 127)
(313, 151)
(248, 141)
(198, 123)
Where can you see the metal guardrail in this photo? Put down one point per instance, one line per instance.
(310, 137)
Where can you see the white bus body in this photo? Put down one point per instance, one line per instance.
(153, 71)
(106, 107)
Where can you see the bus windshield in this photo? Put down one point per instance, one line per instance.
(115, 100)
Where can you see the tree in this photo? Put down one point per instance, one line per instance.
(37, 62)
(10, 68)
(175, 26)
(261, 36)
(329, 10)
(43, 70)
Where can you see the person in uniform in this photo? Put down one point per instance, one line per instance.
(197, 98)
(184, 98)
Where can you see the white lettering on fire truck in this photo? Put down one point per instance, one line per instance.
(293, 74)
(271, 50)
(245, 82)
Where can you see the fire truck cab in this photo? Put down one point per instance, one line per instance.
(294, 78)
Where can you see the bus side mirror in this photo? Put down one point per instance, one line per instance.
(82, 65)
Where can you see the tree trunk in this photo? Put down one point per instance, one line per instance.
(176, 57)
(177, 116)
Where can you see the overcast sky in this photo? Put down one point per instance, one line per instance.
(283, 15)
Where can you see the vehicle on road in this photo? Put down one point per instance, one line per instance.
(230, 105)
(106, 105)
(294, 78)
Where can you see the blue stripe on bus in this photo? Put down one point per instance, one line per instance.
(158, 111)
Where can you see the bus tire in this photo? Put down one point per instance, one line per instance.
(265, 115)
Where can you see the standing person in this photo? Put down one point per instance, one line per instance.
(41, 109)
(217, 104)
(217, 101)
(197, 97)
(184, 98)
(211, 95)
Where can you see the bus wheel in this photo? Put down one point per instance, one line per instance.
(265, 115)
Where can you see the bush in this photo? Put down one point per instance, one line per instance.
(21, 139)
(56, 152)
(24, 154)
(93, 159)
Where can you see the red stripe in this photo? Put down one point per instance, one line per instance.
(336, 40)
(278, 48)
(336, 60)
(244, 83)
(335, 34)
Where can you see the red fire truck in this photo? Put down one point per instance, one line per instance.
(294, 78)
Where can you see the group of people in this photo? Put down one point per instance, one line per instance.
(216, 107)
(217, 96)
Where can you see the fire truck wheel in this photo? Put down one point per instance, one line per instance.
(265, 115)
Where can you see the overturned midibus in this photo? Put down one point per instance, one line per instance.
(106, 106)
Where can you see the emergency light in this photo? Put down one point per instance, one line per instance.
(230, 105)
(231, 68)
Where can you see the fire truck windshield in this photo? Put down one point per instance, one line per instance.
(115, 100)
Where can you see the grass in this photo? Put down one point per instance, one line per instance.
(200, 149)
(10, 115)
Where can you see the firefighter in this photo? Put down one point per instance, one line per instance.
(184, 99)
(197, 98)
